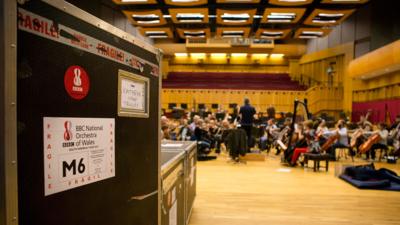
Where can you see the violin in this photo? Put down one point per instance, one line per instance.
(371, 140)
(330, 141)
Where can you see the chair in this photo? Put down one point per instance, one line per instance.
(317, 158)
(341, 152)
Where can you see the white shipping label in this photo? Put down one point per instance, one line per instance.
(133, 95)
(77, 151)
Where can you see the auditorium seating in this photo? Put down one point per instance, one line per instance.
(226, 80)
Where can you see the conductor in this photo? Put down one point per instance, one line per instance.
(246, 113)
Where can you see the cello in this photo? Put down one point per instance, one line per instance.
(375, 138)
(330, 141)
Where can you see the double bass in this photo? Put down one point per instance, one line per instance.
(375, 138)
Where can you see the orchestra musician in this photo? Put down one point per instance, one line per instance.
(321, 129)
(271, 132)
(282, 138)
(382, 144)
(394, 138)
(305, 144)
(341, 142)
(298, 142)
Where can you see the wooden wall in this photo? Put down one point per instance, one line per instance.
(313, 70)
(321, 99)
(380, 88)
(281, 100)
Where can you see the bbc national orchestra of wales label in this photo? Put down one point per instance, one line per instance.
(77, 151)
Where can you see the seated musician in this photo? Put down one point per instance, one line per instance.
(202, 138)
(215, 134)
(342, 141)
(270, 133)
(382, 144)
(365, 132)
(165, 133)
(321, 129)
(306, 139)
(282, 138)
(394, 137)
(298, 142)
(184, 132)
(226, 128)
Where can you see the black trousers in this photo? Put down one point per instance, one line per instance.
(248, 128)
(374, 147)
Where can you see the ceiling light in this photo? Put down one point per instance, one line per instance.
(197, 34)
(292, 0)
(193, 32)
(232, 35)
(218, 55)
(190, 15)
(313, 32)
(232, 32)
(198, 55)
(181, 54)
(234, 21)
(238, 1)
(151, 21)
(154, 32)
(167, 16)
(282, 14)
(331, 14)
(157, 36)
(259, 55)
(238, 54)
(277, 55)
(194, 36)
(185, 0)
(323, 21)
(148, 16)
(236, 16)
(133, 0)
(279, 21)
(272, 32)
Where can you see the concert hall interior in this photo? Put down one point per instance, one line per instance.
(198, 112)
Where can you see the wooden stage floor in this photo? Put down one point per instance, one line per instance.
(266, 193)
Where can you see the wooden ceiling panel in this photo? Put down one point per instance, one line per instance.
(290, 2)
(134, 2)
(238, 1)
(233, 32)
(156, 32)
(324, 17)
(186, 2)
(235, 17)
(145, 18)
(272, 33)
(282, 15)
(311, 32)
(189, 15)
(344, 1)
(193, 33)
